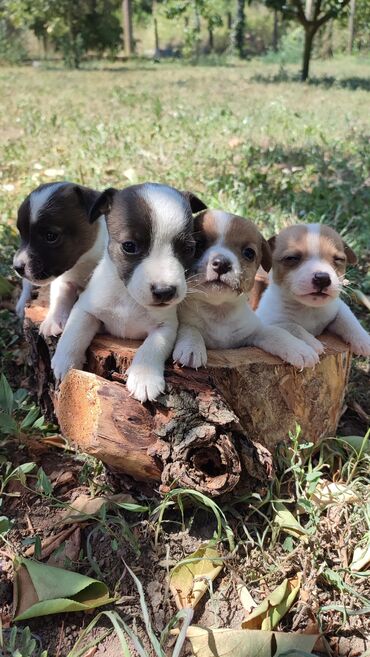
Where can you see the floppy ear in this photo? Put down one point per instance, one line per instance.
(195, 203)
(266, 261)
(102, 204)
(86, 197)
(271, 242)
(351, 256)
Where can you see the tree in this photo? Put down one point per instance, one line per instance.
(239, 28)
(312, 16)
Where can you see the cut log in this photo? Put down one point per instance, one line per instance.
(214, 430)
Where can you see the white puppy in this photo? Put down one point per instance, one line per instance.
(58, 246)
(216, 313)
(135, 290)
(309, 264)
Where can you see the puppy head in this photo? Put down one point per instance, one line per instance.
(309, 263)
(53, 222)
(228, 254)
(150, 239)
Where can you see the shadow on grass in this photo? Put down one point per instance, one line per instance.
(326, 81)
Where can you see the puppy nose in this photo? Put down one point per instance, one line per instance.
(221, 265)
(321, 279)
(163, 293)
(19, 268)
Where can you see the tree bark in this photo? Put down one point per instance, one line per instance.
(127, 27)
(309, 34)
(275, 31)
(351, 26)
(239, 28)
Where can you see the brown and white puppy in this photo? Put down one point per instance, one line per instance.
(135, 290)
(58, 246)
(216, 313)
(309, 264)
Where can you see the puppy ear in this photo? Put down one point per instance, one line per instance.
(86, 196)
(272, 242)
(350, 255)
(102, 204)
(195, 203)
(266, 261)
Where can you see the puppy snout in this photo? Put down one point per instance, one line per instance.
(321, 280)
(221, 265)
(163, 293)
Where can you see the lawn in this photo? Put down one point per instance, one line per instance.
(245, 137)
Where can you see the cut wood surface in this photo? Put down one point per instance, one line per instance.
(213, 430)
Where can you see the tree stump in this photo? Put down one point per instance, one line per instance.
(214, 430)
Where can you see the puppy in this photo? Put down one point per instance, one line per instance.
(135, 290)
(216, 312)
(309, 264)
(58, 246)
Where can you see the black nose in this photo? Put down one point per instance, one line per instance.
(163, 293)
(321, 280)
(19, 269)
(221, 265)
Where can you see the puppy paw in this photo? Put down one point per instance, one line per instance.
(301, 356)
(316, 345)
(62, 362)
(190, 355)
(53, 324)
(360, 344)
(144, 384)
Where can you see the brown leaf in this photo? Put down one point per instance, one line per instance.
(51, 543)
(70, 551)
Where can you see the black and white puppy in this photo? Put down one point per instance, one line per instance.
(58, 246)
(135, 290)
(216, 313)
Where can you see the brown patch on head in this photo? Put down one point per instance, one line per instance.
(244, 238)
(63, 215)
(294, 245)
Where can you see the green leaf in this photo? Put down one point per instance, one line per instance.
(287, 522)
(43, 482)
(41, 590)
(30, 418)
(8, 425)
(6, 396)
(6, 287)
(190, 578)
(5, 525)
(271, 610)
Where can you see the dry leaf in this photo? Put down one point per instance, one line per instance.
(70, 551)
(361, 557)
(286, 521)
(189, 580)
(130, 174)
(51, 543)
(327, 493)
(84, 506)
(206, 642)
(54, 173)
(246, 598)
(362, 298)
(273, 608)
(56, 441)
(234, 142)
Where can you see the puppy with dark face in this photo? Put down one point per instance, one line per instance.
(135, 290)
(216, 313)
(309, 264)
(58, 246)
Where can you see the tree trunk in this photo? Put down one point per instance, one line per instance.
(127, 27)
(275, 32)
(213, 430)
(351, 25)
(307, 52)
(211, 44)
(239, 28)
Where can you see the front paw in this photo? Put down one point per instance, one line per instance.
(360, 344)
(301, 356)
(53, 324)
(190, 355)
(144, 384)
(316, 345)
(62, 362)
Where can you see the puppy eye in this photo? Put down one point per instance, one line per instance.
(189, 249)
(131, 248)
(339, 259)
(292, 259)
(51, 237)
(249, 254)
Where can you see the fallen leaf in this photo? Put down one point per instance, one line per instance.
(62, 478)
(362, 298)
(327, 493)
(273, 608)
(56, 441)
(206, 642)
(361, 557)
(286, 521)
(84, 506)
(234, 142)
(40, 590)
(69, 552)
(246, 598)
(51, 543)
(190, 578)
(131, 175)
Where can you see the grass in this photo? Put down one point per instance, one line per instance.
(249, 138)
